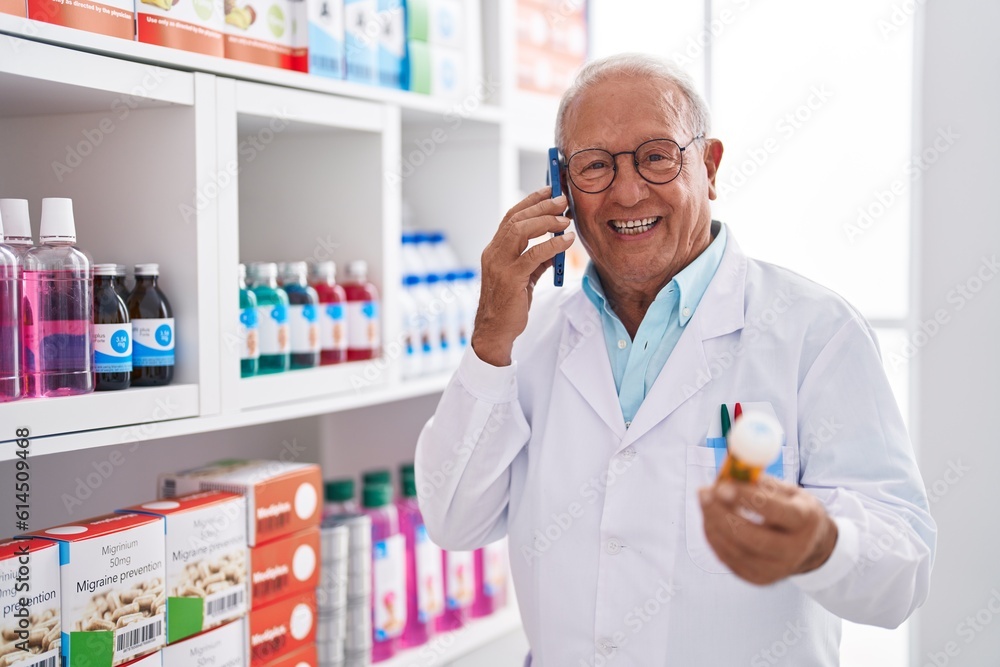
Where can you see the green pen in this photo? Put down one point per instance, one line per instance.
(726, 424)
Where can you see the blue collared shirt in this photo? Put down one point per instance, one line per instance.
(636, 363)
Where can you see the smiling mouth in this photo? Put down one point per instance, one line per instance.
(633, 227)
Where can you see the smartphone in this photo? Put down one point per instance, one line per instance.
(554, 178)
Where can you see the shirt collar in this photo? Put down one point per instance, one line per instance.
(691, 283)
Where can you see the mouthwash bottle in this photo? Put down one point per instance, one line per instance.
(459, 589)
(332, 313)
(303, 312)
(59, 289)
(11, 380)
(388, 571)
(272, 318)
(363, 330)
(491, 579)
(247, 331)
(152, 329)
(112, 332)
(424, 578)
(17, 236)
(338, 496)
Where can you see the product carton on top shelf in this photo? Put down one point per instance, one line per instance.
(282, 498)
(439, 22)
(192, 25)
(284, 566)
(110, 17)
(224, 646)
(15, 7)
(30, 632)
(361, 38)
(326, 38)
(111, 579)
(268, 32)
(281, 628)
(206, 557)
(393, 67)
(304, 657)
(436, 70)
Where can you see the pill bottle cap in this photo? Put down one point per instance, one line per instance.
(57, 220)
(105, 269)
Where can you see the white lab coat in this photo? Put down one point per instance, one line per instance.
(608, 553)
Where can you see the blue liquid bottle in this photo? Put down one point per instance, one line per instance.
(112, 332)
(303, 316)
(152, 329)
(272, 318)
(247, 330)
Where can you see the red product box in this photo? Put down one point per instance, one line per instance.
(15, 7)
(284, 566)
(108, 17)
(282, 628)
(304, 657)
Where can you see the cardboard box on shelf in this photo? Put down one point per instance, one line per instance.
(111, 580)
(206, 559)
(304, 657)
(439, 22)
(191, 25)
(282, 498)
(30, 632)
(15, 7)
(393, 68)
(281, 628)
(224, 646)
(361, 38)
(436, 70)
(284, 566)
(268, 32)
(326, 38)
(109, 17)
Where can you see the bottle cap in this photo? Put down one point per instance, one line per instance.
(120, 270)
(16, 225)
(755, 439)
(452, 276)
(432, 278)
(358, 269)
(147, 269)
(339, 490)
(105, 269)
(380, 476)
(327, 270)
(376, 495)
(409, 483)
(435, 237)
(264, 270)
(242, 271)
(57, 220)
(409, 237)
(293, 271)
(469, 274)
(411, 280)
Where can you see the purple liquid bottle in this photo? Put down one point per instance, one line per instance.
(491, 579)
(17, 235)
(58, 284)
(10, 322)
(459, 589)
(388, 571)
(424, 578)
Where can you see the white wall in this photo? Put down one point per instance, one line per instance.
(956, 392)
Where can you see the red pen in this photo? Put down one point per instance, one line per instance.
(737, 412)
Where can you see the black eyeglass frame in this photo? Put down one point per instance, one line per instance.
(635, 163)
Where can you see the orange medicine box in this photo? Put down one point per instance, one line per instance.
(111, 581)
(284, 566)
(281, 628)
(109, 17)
(15, 7)
(304, 657)
(29, 598)
(191, 25)
(282, 498)
(206, 557)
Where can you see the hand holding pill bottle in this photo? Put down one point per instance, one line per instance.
(754, 443)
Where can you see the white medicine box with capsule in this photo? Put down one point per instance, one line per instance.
(30, 633)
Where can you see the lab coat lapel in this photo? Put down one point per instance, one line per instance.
(687, 369)
(585, 361)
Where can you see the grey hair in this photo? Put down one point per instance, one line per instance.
(638, 65)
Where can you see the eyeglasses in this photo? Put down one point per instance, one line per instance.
(657, 161)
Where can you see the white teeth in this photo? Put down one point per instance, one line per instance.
(632, 227)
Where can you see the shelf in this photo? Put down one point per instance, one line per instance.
(415, 104)
(446, 648)
(309, 384)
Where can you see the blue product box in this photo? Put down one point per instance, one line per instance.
(326, 38)
(361, 40)
(393, 68)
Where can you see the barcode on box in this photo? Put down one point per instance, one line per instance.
(225, 604)
(169, 489)
(273, 523)
(44, 662)
(132, 639)
(270, 586)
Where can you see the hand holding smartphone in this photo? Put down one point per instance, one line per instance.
(554, 179)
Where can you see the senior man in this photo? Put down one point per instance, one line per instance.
(586, 426)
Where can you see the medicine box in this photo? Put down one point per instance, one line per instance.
(284, 566)
(15, 7)
(436, 70)
(361, 40)
(30, 632)
(304, 657)
(223, 646)
(282, 498)
(111, 575)
(206, 560)
(439, 22)
(326, 38)
(191, 25)
(110, 17)
(268, 32)
(281, 628)
(393, 68)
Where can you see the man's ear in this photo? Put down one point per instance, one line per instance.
(712, 156)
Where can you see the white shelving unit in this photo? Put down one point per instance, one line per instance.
(199, 163)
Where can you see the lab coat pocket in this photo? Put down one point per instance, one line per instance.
(701, 472)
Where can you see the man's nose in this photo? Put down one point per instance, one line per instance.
(628, 188)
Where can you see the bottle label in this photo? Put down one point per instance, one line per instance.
(494, 567)
(247, 333)
(112, 348)
(153, 342)
(303, 328)
(362, 325)
(430, 579)
(389, 587)
(460, 577)
(273, 329)
(332, 327)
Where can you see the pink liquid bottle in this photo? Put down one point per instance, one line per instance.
(388, 571)
(424, 578)
(363, 328)
(11, 380)
(459, 589)
(491, 579)
(332, 313)
(17, 236)
(58, 283)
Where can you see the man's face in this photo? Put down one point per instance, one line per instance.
(618, 115)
